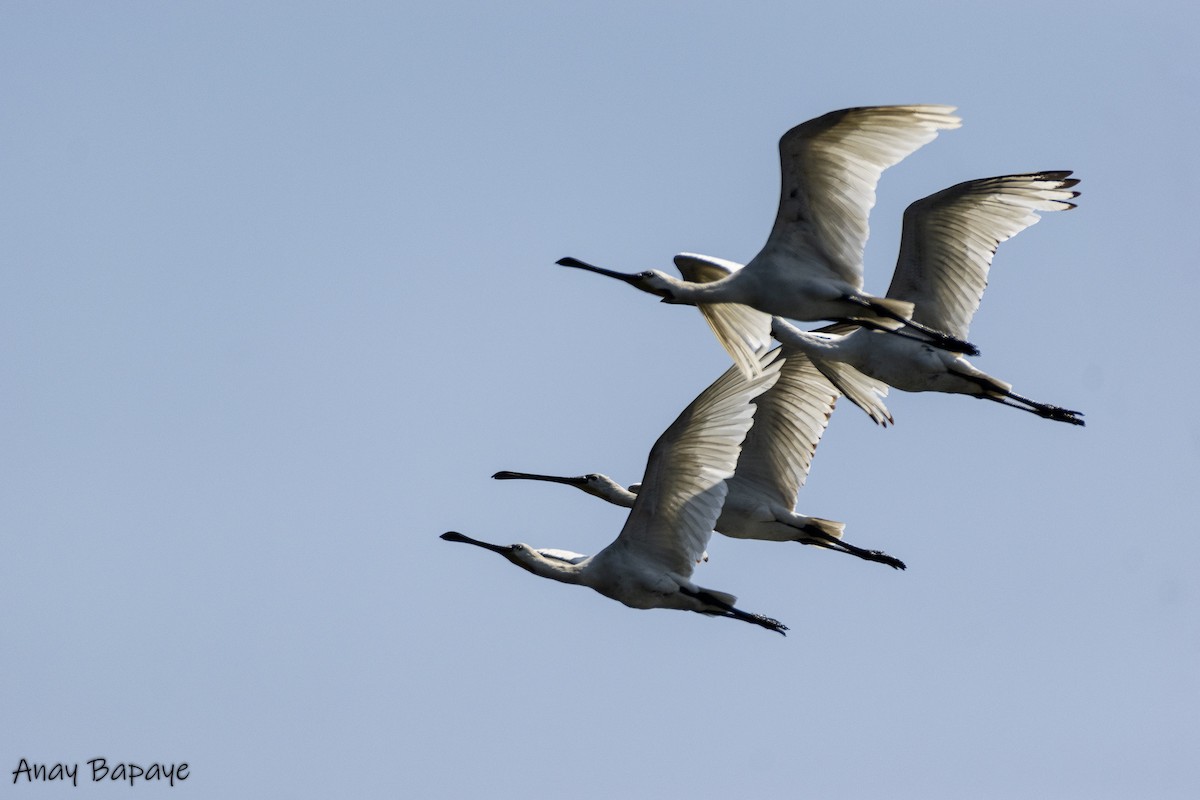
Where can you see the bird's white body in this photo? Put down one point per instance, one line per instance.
(613, 572)
(948, 244)
(650, 563)
(905, 364)
(638, 583)
(775, 458)
(772, 285)
(749, 518)
(811, 266)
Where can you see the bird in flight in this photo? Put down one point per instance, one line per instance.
(789, 420)
(949, 240)
(811, 267)
(650, 563)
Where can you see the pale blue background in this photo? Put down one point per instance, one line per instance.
(277, 297)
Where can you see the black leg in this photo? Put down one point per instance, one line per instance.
(878, 556)
(1043, 410)
(818, 538)
(1048, 411)
(945, 340)
(939, 339)
(721, 608)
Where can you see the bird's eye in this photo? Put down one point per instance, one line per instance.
(645, 275)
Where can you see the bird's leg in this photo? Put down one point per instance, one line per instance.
(875, 326)
(1048, 411)
(1043, 410)
(998, 394)
(943, 340)
(821, 539)
(735, 613)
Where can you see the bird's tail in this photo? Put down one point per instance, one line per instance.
(823, 528)
(724, 599)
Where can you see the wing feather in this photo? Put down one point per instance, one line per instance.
(951, 236)
(789, 419)
(830, 167)
(683, 489)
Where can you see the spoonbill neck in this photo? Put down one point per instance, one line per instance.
(808, 342)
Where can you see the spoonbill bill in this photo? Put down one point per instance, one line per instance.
(650, 563)
(947, 245)
(777, 453)
(811, 267)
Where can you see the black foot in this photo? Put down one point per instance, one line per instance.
(945, 341)
(1043, 410)
(1060, 415)
(765, 622)
(880, 557)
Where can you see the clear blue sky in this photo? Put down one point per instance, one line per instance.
(277, 297)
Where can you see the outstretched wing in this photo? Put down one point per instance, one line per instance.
(789, 419)
(951, 236)
(865, 392)
(741, 330)
(830, 167)
(683, 489)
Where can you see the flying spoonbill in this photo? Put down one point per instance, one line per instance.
(650, 563)
(811, 267)
(789, 420)
(946, 250)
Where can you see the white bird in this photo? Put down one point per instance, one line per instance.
(777, 453)
(650, 563)
(811, 267)
(946, 250)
